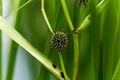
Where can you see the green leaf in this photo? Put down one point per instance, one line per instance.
(13, 34)
(110, 32)
(14, 46)
(116, 75)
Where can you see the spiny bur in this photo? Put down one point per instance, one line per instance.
(59, 41)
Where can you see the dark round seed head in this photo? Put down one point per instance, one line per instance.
(59, 41)
(81, 1)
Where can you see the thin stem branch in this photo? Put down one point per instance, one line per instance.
(45, 16)
(20, 7)
(46, 52)
(67, 14)
(76, 56)
(87, 21)
(84, 24)
(26, 3)
(62, 66)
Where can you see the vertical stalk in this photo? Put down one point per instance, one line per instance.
(0, 44)
(67, 14)
(76, 56)
(75, 39)
(62, 66)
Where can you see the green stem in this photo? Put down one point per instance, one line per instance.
(0, 44)
(26, 3)
(45, 16)
(87, 21)
(76, 56)
(67, 14)
(75, 38)
(20, 7)
(46, 52)
(84, 24)
(62, 66)
(14, 35)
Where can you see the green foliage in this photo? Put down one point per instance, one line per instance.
(93, 31)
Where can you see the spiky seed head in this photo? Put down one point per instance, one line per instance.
(81, 1)
(59, 41)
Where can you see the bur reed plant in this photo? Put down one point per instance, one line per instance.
(91, 28)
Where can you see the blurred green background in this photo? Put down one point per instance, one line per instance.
(99, 43)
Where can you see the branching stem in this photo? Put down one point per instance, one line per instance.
(15, 11)
(75, 39)
(76, 56)
(45, 16)
(87, 21)
(67, 14)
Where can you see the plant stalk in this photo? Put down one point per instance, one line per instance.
(76, 56)
(62, 66)
(87, 21)
(45, 16)
(67, 14)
